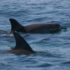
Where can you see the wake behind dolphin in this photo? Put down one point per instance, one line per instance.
(35, 28)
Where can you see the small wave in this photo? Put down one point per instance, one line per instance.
(67, 62)
(3, 32)
(3, 64)
(47, 54)
(45, 65)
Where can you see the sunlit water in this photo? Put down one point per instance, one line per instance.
(53, 50)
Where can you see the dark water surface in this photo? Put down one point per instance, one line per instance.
(53, 49)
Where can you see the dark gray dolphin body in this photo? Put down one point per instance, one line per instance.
(22, 47)
(35, 28)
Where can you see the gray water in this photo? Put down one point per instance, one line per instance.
(53, 50)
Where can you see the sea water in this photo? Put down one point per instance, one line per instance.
(53, 50)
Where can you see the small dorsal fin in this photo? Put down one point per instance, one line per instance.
(21, 43)
(15, 26)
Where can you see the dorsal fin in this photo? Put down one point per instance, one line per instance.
(21, 43)
(15, 26)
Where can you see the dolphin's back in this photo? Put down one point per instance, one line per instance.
(21, 43)
(50, 27)
(43, 28)
(22, 47)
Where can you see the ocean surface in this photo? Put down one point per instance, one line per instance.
(53, 50)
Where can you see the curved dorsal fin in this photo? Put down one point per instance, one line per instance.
(21, 43)
(15, 26)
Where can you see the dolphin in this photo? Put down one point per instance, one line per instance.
(22, 47)
(35, 28)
